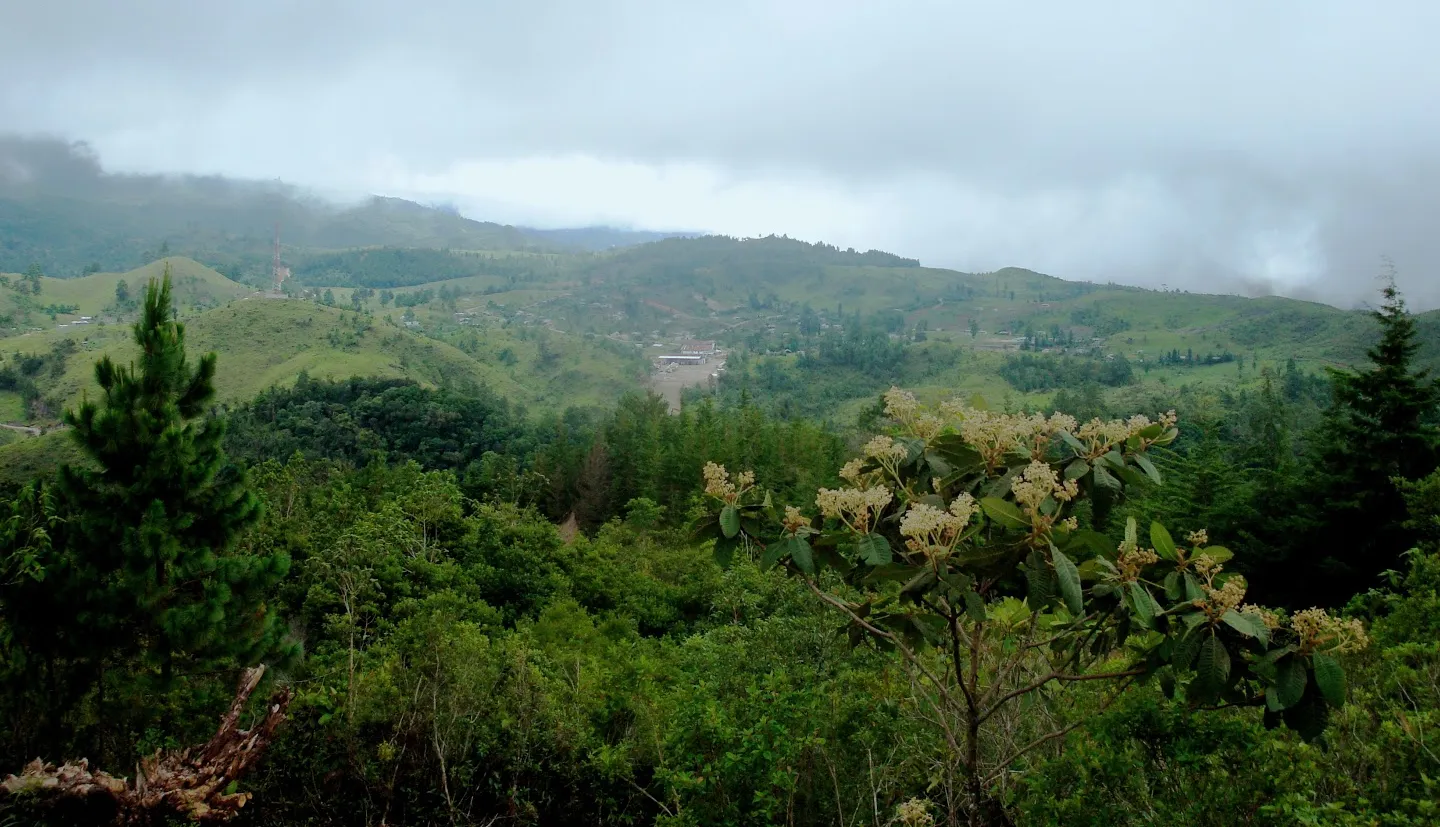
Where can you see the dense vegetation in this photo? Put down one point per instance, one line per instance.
(392, 551)
(494, 579)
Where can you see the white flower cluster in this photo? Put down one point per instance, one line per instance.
(902, 407)
(856, 507)
(1039, 482)
(1320, 631)
(1100, 436)
(718, 483)
(914, 813)
(930, 531)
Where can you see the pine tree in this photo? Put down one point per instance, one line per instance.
(1380, 428)
(150, 564)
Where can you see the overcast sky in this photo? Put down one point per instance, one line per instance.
(1201, 144)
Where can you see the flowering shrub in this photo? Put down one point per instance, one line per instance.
(954, 544)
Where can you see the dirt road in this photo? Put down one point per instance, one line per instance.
(669, 381)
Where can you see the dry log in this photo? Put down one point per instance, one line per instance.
(191, 782)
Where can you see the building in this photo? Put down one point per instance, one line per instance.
(697, 348)
(684, 359)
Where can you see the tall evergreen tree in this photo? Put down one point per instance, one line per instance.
(155, 521)
(1380, 428)
(143, 584)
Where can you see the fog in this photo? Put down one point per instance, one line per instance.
(1277, 147)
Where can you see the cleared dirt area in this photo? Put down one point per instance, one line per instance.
(669, 380)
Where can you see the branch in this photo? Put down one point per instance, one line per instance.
(190, 783)
(1059, 733)
(1055, 676)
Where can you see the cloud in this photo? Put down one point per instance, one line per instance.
(1279, 146)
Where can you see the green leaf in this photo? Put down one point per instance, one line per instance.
(1246, 625)
(1330, 678)
(1308, 717)
(1172, 586)
(975, 606)
(1076, 469)
(1069, 578)
(1145, 606)
(801, 555)
(1104, 478)
(773, 553)
(931, 627)
(1075, 445)
(1149, 468)
(1185, 650)
(873, 549)
(1151, 431)
(1003, 512)
(1290, 685)
(1040, 583)
(1192, 588)
(725, 550)
(1219, 554)
(729, 521)
(1160, 539)
(1212, 670)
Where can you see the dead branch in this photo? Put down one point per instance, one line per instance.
(192, 782)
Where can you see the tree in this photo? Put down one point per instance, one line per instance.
(149, 571)
(122, 293)
(33, 274)
(954, 547)
(1379, 427)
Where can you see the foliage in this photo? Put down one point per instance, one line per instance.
(1382, 426)
(137, 570)
(953, 549)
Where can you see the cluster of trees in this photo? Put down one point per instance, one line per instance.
(1189, 358)
(1023, 640)
(1036, 372)
(405, 266)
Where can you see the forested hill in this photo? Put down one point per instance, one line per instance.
(59, 209)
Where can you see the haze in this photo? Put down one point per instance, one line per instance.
(1281, 146)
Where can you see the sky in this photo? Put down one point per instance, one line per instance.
(1216, 145)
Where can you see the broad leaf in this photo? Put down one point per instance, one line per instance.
(1003, 512)
(873, 549)
(800, 554)
(1160, 539)
(725, 550)
(729, 521)
(1172, 586)
(1145, 606)
(1149, 468)
(1308, 717)
(1069, 578)
(1212, 670)
(1104, 478)
(1330, 678)
(1247, 625)
(1219, 554)
(773, 553)
(975, 606)
(1039, 581)
(1290, 684)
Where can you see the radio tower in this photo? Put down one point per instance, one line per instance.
(280, 271)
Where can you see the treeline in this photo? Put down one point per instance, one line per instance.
(1036, 372)
(574, 462)
(406, 266)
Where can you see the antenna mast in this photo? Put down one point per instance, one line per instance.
(279, 271)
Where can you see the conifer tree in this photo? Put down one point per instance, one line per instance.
(150, 563)
(1380, 428)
